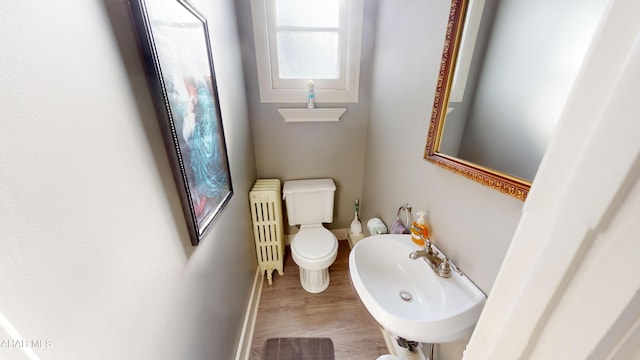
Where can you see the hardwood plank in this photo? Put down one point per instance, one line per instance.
(286, 310)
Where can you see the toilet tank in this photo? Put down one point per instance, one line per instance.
(309, 201)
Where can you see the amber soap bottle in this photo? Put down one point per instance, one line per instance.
(420, 227)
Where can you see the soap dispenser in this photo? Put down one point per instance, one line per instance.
(420, 227)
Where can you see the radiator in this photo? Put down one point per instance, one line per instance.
(266, 214)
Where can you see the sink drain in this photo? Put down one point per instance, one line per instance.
(406, 296)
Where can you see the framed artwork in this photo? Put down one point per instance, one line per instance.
(174, 41)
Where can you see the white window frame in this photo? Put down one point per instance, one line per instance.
(274, 89)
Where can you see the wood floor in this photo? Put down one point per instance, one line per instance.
(286, 310)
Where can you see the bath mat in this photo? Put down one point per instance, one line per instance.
(298, 349)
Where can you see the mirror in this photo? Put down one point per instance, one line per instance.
(506, 72)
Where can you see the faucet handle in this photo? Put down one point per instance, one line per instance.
(428, 248)
(444, 269)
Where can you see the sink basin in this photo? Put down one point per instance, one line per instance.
(407, 297)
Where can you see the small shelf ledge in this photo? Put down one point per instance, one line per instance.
(312, 115)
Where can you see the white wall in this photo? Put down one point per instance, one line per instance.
(311, 150)
(473, 224)
(94, 252)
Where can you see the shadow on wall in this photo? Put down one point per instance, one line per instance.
(124, 34)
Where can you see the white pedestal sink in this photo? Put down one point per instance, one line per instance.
(407, 297)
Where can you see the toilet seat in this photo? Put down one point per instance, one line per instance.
(314, 248)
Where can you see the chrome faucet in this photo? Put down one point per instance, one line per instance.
(440, 265)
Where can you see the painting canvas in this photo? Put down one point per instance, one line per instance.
(174, 40)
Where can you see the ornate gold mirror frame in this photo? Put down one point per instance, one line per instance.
(510, 185)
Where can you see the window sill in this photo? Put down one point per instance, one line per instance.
(312, 115)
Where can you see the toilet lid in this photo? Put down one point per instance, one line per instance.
(314, 243)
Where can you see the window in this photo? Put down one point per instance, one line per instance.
(301, 40)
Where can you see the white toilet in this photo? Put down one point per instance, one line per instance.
(314, 248)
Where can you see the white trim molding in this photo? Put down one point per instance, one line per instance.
(246, 336)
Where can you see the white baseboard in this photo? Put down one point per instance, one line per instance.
(246, 336)
(341, 234)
